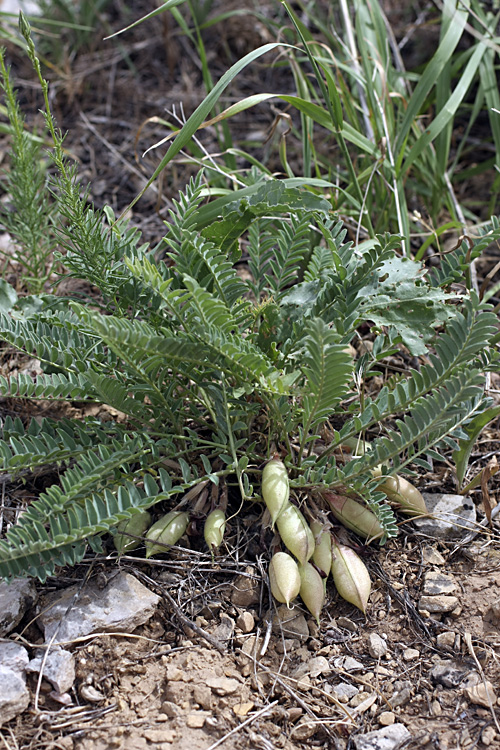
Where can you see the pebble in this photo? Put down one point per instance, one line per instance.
(386, 718)
(291, 622)
(16, 597)
(377, 646)
(345, 691)
(347, 624)
(488, 735)
(196, 720)
(223, 685)
(122, 605)
(14, 696)
(246, 589)
(58, 669)
(431, 556)
(294, 714)
(446, 639)
(482, 693)
(246, 622)
(437, 604)
(439, 583)
(453, 516)
(402, 693)
(449, 673)
(348, 664)
(410, 654)
(387, 738)
(160, 735)
(436, 708)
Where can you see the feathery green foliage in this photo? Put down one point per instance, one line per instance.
(206, 370)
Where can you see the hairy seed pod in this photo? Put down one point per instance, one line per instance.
(214, 529)
(136, 525)
(284, 577)
(350, 576)
(296, 534)
(275, 488)
(354, 515)
(322, 555)
(312, 590)
(398, 490)
(167, 531)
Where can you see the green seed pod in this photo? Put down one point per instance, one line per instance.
(312, 591)
(350, 576)
(322, 555)
(403, 493)
(284, 577)
(215, 526)
(354, 515)
(136, 525)
(168, 530)
(296, 534)
(275, 488)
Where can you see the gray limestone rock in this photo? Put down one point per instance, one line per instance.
(122, 605)
(14, 656)
(453, 516)
(59, 668)
(437, 604)
(377, 646)
(439, 583)
(14, 696)
(387, 738)
(449, 673)
(16, 597)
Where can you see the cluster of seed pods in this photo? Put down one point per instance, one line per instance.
(316, 553)
(166, 531)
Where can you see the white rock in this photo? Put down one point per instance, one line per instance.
(14, 656)
(59, 668)
(14, 696)
(438, 583)
(453, 516)
(410, 654)
(122, 605)
(387, 738)
(16, 597)
(377, 646)
(348, 664)
(437, 604)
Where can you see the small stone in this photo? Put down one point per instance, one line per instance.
(410, 654)
(58, 669)
(246, 622)
(294, 714)
(304, 730)
(249, 646)
(242, 709)
(482, 694)
(246, 589)
(436, 708)
(439, 583)
(318, 665)
(196, 720)
(431, 556)
(14, 696)
(345, 691)
(222, 685)
(174, 674)
(203, 696)
(386, 718)
(170, 709)
(449, 673)
(347, 624)
(224, 630)
(377, 646)
(437, 604)
(359, 698)
(16, 597)
(14, 656)
(402, 693)
(387, 738)
(453, 516)
(122, 605)
(488, 735)
(291, 622)
(446, 639)
(348, 664)
(160, 735)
